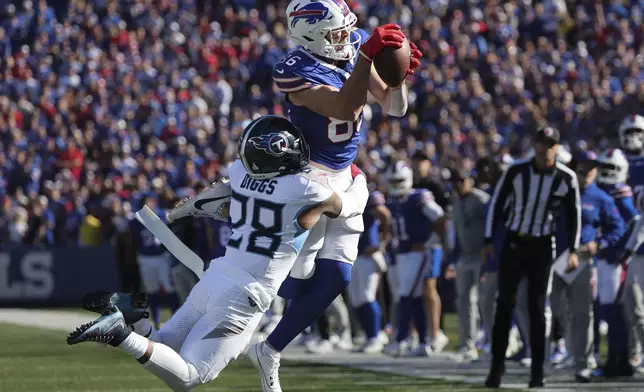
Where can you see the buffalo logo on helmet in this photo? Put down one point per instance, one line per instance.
(311, 13)
(275, 144)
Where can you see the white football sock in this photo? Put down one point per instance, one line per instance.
(135, 345)
(166, 364)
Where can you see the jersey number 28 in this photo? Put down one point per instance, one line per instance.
(259, 229)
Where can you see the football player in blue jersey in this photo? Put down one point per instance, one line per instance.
(415, 215)
(154, 266)
(602, 228)
(326, 81)
(631, 137)
(612, 177)
(370, 264)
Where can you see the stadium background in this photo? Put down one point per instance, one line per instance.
(104, 102)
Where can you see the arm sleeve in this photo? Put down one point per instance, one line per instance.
(628, 209)
(636, 238)
(291, 79)
(501, 192)
(572, 205)
(430, 208)
(612, 225)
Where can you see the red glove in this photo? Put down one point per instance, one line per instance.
(414, 60)
(385, 36)
(355, 171)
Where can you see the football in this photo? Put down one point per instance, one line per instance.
(392, 64)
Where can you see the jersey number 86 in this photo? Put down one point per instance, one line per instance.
(340, 131)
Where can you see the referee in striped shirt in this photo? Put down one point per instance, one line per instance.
(527, 200)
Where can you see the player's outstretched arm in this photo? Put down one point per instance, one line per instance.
(346, 103)
(212, 202)
(339, 205)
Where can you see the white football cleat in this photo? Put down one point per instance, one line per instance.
(344, 342)
(439, 342)
(267, 365)
(212, 202)
(319, 347)
(372, 346)
(467, 354)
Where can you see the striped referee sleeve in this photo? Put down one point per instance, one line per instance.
(502, 190)
(572, 206)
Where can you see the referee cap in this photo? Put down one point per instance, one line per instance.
(548, 134)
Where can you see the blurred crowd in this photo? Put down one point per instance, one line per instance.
(105, 102)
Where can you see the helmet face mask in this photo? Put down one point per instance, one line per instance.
(613, 167)
(631, 134)
(272, 146)
(400, 179)
(323, 27)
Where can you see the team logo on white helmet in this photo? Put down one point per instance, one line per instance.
(323, 27)
(400, 179)
(631, 134)
(613, 167)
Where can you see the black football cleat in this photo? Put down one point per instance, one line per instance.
(133, 306)
(110, 329)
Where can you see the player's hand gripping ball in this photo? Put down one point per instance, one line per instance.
(392, 64)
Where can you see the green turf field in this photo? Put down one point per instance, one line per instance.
(34, 360)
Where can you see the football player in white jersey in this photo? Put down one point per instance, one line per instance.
(274, 202)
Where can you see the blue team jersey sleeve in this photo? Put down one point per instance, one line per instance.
(612, 224)
(294, 73)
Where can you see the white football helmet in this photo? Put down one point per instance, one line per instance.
(323, 27)
(400, 179)
(613, 167)
(631, 134)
